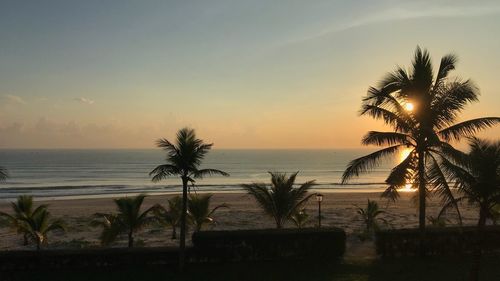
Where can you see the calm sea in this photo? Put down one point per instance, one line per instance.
(107, 173)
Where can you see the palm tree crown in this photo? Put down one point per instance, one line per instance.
(128, 220)
(38, 225)
(425, 130)
(199, 210)
(170, 216)
(477, 176)
(281, 200)
(184, 158)
(23, 209)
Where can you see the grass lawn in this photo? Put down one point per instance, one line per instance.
(407, 269)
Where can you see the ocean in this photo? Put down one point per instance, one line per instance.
(70, 174)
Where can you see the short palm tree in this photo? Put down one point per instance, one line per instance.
(129, 220)
(422, 109)
(184, 160)
(38, 225)
(23, 209)
(370, 216)
(171, 216)
(280, 200)
(477, 177)
(199, 210)
(4, 174)
(300, 218)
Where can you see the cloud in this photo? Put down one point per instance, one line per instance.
(404, 13)
(85, 100)
(11, 99)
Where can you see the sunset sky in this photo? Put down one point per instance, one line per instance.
(244, 74)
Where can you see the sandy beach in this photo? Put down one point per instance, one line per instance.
(338, 209)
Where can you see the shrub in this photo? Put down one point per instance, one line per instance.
(269, 244)
(438, 241)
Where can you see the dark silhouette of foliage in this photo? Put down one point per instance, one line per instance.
(280, 200)
(128, 220)
(426, 130)
(199, 210)
(38, 225)
(370, 218)
(23, 209)
(477, 177)
(184, 158)
(170, 217)
(300, 218)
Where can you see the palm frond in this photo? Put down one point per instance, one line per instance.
(386, 138)
(365, 163)
(447, 64)
(468, 128)
(209, 172)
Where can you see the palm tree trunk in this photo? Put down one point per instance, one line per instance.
(421, 201)
(130, 239)
(476, 263)
(182, 244)
(38, 242)
(25, 239)
(174, 232)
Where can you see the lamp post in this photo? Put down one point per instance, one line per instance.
(319, 198)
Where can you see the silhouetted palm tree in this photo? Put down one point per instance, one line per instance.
(421, 108)
(170, 217)
(281, 200)
(129, 219)
(477, 177)
(370, 216)
(4, 174)
(199, 210)
(184, 160)
(22, 209)
(38, 225)
(300, 218)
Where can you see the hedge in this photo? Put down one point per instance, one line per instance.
(270, 244)
(438, 241)
(82, 258)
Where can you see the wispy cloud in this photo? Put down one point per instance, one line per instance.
(405, 13)
(85, 100)
(14, 99)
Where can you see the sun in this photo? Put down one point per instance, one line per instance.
(409, 106)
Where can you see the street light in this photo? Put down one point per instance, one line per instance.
(319, 198)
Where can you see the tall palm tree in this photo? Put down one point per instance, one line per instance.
(23, 209)
(38, 225)
(129, 219)
(199, 210)
(422, 109)
(280, 200)
(184, 158)
(477, 177)
(4, 174)
(170, 217)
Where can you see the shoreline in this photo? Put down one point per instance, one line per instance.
(174, 192)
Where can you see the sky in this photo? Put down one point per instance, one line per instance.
(244, 74)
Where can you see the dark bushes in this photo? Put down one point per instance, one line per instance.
(270, 244)
(438, 241)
